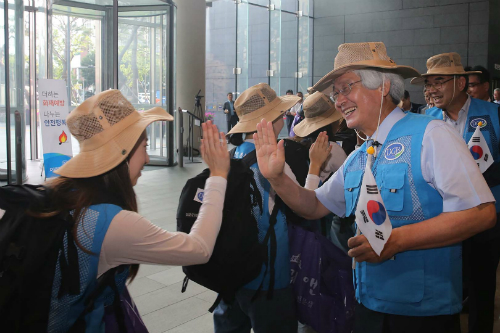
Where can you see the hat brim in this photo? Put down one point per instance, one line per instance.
(248, 123)
(106, 157)
(326, 82)
(419, 81)
(310, 125)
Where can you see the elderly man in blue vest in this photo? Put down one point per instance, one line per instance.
(434, 195)
(446, 82)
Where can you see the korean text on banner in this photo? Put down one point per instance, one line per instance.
(56, 139)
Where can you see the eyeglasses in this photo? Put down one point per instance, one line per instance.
(346, 89)
(473, 84)
(437, 85)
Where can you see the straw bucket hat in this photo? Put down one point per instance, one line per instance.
(319, 111)
(107, 127)
(443, 64)
(352, 56)
(257, 102)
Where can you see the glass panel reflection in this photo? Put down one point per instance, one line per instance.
(220, 59)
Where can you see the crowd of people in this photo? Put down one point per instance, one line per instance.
(423, 237)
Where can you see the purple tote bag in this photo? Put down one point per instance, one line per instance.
(131, 317)
(321, 278)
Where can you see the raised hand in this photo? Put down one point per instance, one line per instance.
(214, 150)
(318, 153)
(270, 155)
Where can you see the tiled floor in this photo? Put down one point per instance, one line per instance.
(157, 289)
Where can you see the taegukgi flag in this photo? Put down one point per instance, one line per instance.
(480, 150)
(371, 216)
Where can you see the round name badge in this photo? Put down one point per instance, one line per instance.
(394, 151)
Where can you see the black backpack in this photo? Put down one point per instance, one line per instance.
(29, 248)
(29, 251)
(237, 256)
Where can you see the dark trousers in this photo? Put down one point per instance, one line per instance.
(231, 121)
(481, 272)
(262, 315)
(289, 122)
(368, 321)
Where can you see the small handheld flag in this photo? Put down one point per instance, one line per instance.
(480, 150)
(371, 217)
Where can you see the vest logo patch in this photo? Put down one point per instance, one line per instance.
(394, 151)
(199, 195)
(474, 122)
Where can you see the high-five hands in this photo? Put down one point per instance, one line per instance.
(214, 150)
(270, 155)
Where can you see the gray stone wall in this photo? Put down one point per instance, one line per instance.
(412, 30)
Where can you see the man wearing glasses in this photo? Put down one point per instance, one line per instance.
(432, 190)
(479, 84)
(446, 81)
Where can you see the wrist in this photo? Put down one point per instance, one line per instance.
(396, 240)
(278, 179)
(314, 169)
(218, 174)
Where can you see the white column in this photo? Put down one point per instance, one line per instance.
(190, 61)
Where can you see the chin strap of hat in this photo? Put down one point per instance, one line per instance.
(379, 113)
(454, 85)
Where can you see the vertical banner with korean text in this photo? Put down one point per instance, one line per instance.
(56, 139)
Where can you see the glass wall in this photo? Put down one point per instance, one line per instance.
(220, 57)
(92, 52)
(253, 41)
(92, 46)
(12, 92)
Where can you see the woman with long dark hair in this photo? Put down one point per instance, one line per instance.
(96, 188)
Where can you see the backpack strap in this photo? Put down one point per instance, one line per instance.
(269, 261)
(70, 272)
(250, 159)
(216, 303)
(104, 281)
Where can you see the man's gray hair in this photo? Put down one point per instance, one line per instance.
(372, 79)
(497, 89)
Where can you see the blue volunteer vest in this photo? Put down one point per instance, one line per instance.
(415, 283)
(65, 311)
(282, 263)
(486, 112)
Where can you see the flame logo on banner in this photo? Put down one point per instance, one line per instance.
(63, 138)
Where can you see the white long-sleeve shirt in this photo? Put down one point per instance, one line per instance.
(132, 239)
